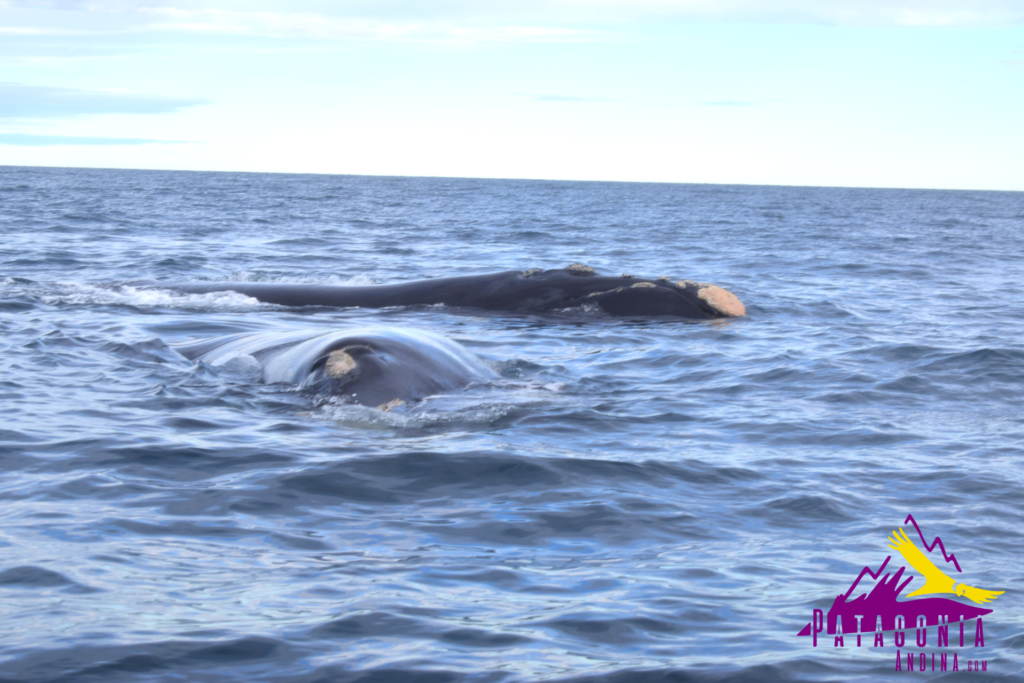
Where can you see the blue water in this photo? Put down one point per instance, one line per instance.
(636, 500)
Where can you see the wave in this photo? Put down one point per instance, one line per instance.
(77, 294)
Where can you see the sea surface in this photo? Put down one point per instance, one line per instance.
(634, 500)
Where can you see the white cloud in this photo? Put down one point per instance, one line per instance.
(37, 31)
(25, 102)
(327, 27)
(845, 12)
(502, 20)
(34, 140)
(730, 103)
(278, 21)
(569, 98)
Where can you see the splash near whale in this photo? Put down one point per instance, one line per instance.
(523, 291)
(377, 367)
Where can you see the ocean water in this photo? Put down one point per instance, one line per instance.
(634, 500)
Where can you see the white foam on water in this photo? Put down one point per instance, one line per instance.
(344, 411)
(240, 363)
(407, 417)
(479, 404)
(252, 276)
(127, 295)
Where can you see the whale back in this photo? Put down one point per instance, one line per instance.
(524, 291)
(374, 366)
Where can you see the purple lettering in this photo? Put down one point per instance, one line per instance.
(818, 625)
(979, 635)
(943, 631)
(922, 631)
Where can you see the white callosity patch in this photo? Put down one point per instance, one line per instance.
(393, 403)
(339, 364)
(580, 269)
(722, 300)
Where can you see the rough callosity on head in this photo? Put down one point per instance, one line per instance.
(721, 300)
(642, 285)
(393, 403)
(339, 364)
(580, 269)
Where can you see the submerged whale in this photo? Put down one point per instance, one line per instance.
(528, 291)
(380, 367)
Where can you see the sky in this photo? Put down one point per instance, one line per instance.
(864, 93)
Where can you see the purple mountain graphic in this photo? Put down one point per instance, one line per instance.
(937, 542)
(882, 602)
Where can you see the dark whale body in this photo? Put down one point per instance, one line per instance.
(380, 367)
(529, 291)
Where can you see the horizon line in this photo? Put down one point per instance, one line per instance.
(521, 179)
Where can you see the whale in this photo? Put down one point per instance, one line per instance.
(377, 367)
(532, 291)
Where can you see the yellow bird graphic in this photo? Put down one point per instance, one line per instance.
(935, 580)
